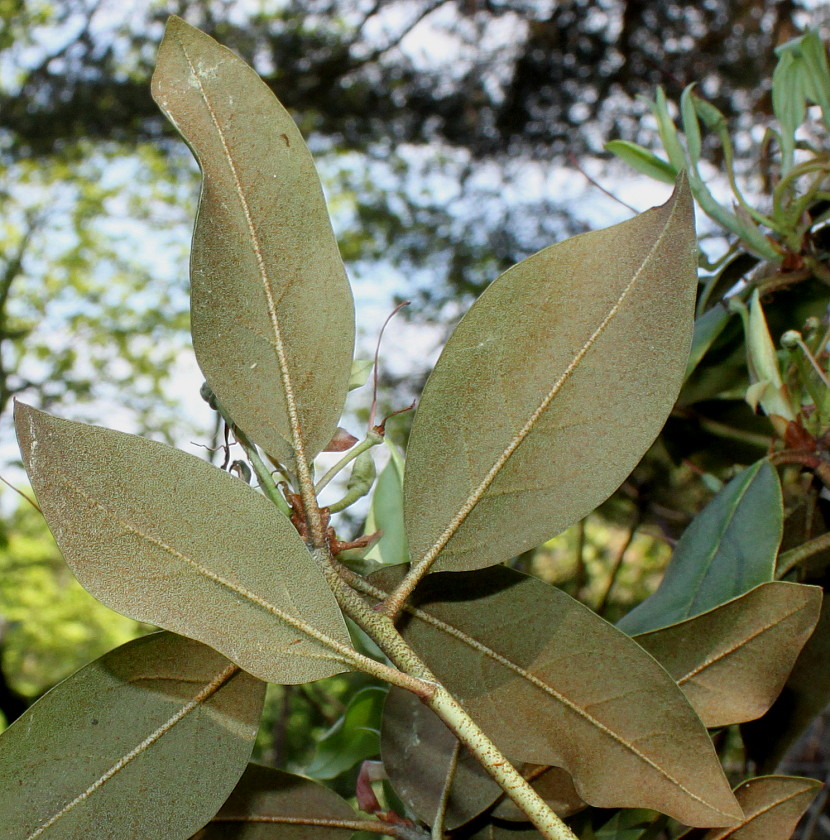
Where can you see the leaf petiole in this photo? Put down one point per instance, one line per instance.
(371, 439)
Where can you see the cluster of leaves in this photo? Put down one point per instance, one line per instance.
(547, 395)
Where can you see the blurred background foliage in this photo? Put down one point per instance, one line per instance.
(451, 135)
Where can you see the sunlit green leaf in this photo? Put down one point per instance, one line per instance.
(551, 389)
(668, 131)
(772, 805)
(144, 743)
(386, 513)
(168, 539)
(732, 662)
(354, 738)
(272, 313)
(360, 371)
(729, 548)
(642, 160)
(691, 126)
(523, 657)
(268, 804)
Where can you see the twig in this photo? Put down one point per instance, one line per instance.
(790, 559)
(617, 564)
(441, 810)
(28, 498)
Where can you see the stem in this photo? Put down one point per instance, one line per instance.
(382, 630)
(403, 832)
(441, 811)
(371, 439)
(263, 474)
(500, 769)
(617, 565)
(790, 559)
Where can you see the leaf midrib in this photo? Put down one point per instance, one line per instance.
(463, 637)
(278, 344)
(201, 697)
(345, 654)
(475, 497)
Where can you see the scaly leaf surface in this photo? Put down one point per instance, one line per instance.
(272, 314)
(145, 743)
(552, 683)
(733, 661)
(772, 805)
(269, 804)
(166, 538)
(551, 389)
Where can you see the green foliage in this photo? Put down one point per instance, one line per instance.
(550, 390)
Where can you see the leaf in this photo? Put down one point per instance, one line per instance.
(523, 658)
(708, 327)
(729, 548)
(550, 390)
(166, 538)
(272, 313)
(142, 744)
(772, 805)
(642, 160)
(417, 750)
(805, 695)
(733, 661)
(386, 513)
(354, 738)
(269, 804)
(360, 372)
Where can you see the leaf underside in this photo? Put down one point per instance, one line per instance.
(143, 744)
(269, 804)
(417, 750)
(166, 538)
(551, 389)
(772, 807)
(523, 658)
(272, 314)
(733, 661)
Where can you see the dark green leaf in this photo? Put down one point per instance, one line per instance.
(708, 327)
(523, 658)
(550, 390)
(143, 744)
(354, 738)
(729, 548)
(732, 661)
(168, 539)
(272, 313)
(268, 804)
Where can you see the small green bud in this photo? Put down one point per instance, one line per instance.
(791, 339)
(363, 475)
(242, 469)
(811, 324)
(208, 396)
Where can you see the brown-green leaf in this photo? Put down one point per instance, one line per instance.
(733, 661)
(550, 389)
(268, 804)
(143, 744)
(417, 750)
(552, 683)
(166, 538)
(272, 313)
(772, 805)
